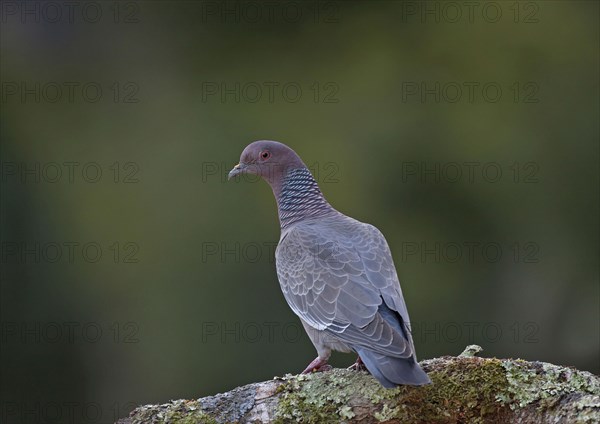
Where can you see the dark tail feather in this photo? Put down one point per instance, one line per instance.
(392, 372)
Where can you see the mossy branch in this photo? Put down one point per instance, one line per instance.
(465, 389)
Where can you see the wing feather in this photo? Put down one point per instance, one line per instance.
(337, 274)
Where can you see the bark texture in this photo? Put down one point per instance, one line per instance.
(465, 389)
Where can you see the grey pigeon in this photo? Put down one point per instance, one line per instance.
(336, 273)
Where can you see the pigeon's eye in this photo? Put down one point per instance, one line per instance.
(265, 154)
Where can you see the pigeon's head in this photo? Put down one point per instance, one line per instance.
(268, 159)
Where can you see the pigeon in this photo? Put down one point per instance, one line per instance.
(336, 273)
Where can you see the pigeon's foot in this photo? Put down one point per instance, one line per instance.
(317, 365)
(358, 365)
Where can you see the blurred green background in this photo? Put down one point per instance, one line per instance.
(375, 96)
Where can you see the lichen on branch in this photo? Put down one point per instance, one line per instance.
(465, 389)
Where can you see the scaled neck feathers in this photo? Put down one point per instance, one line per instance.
(300, 198)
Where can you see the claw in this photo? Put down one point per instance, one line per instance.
(359, 365)
(317, 365)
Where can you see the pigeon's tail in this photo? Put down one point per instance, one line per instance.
(392, 372)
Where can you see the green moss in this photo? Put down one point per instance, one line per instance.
(192, 417)
(387, 413)
(325, 397)
(462, 389)
(195, 416)
(537, 381)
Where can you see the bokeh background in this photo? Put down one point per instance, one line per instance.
(120, 120)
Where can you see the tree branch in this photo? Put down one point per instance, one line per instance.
(465, 389)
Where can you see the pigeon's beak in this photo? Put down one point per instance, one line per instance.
(238, 169)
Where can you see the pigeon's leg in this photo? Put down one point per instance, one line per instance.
(323, 350)
(359, 365)
(317, 365)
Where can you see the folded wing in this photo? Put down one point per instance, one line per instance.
(339, 277)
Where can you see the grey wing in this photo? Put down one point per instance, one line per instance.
(380, 270)
(339, 280)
